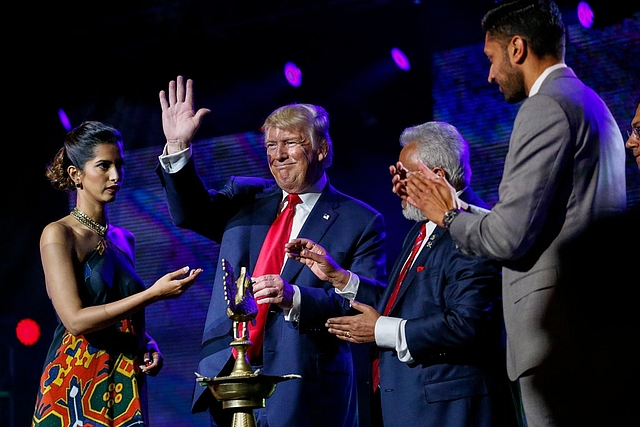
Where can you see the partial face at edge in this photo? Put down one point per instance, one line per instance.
(633, 143)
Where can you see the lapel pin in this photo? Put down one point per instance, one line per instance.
(325, 216)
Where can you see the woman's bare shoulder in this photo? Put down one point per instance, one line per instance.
(59, 231)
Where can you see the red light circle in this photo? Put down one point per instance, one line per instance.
(28, 331)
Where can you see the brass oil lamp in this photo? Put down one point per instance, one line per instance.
(243, 390)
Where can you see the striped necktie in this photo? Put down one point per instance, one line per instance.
(394, 295)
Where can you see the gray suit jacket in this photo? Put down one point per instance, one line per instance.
(564, 168)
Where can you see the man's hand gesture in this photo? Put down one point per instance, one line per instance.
(179, 121)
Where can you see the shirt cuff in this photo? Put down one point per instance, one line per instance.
(389, 333)
(172, 163)
(477, 210)
(293, 315)
(351, 288)
(386, 331)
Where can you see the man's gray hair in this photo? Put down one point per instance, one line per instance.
(441, 144)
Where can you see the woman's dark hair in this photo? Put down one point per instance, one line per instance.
(79, 147)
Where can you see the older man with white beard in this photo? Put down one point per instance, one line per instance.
(437, 327)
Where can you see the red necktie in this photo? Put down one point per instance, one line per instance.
(394, 295)
(270, 261)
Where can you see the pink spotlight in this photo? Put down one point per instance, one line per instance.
(585, 14)
(400, 59)
(293, 74)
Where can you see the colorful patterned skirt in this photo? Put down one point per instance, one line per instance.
(87, 386)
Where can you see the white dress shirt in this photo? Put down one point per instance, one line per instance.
(536, 85)
(389, 331)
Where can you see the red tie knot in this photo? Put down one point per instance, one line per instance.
(293, 199)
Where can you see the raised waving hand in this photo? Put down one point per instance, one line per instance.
(180, 121)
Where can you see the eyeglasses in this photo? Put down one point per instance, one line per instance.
(635, 132)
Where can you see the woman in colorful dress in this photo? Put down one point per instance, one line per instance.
(94, 372)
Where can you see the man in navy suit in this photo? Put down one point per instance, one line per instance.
(564, 169)
(440, 344)
(299, 151)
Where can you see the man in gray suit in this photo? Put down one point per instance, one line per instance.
(582, 362)
(564, 169)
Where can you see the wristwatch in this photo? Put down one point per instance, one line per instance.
(449, 216)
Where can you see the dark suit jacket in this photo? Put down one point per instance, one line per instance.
(591, 325)
(454, 332)
(238, 217)
(565, 168)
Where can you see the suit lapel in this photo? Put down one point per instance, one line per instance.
(420, 261)
(322, 216)
(397, 266)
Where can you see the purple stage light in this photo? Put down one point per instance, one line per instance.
(64, 119)
(293, 74)
(400, 59)
(585, 14)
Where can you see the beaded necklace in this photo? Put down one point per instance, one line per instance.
(87, 221)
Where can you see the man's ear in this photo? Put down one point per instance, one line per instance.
(439, 171)
(322, 152)
(517, 49)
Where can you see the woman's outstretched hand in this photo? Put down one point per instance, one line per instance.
(174, 284)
